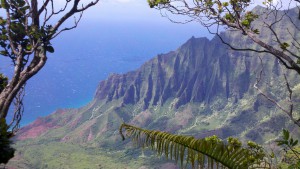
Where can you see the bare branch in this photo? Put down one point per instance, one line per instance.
(240, 49)
(69, 28)
(43, 7)
(8, 27)
(19, 110)
(258, 79)
(290, 94)
(47, 18)
(289, 111)
(286, 60)
(88, 6)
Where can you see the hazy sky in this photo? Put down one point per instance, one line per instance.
(132, 10)
(118, 10)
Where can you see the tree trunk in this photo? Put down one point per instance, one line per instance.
(19, 79)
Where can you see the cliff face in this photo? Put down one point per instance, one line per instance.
(200, 89)
(197, 72)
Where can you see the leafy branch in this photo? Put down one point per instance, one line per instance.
(208, 152)
(289, 144)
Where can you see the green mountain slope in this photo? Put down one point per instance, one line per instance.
(200, 89)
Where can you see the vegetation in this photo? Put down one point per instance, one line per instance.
(209, 152)
(289, 144)
(64, 155)
(26, 32)
(7, 152)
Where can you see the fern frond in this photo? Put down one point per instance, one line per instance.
(209, 152)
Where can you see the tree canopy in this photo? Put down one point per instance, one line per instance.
(26, 31)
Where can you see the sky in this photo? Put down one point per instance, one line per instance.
(134, 10)
(119, 10)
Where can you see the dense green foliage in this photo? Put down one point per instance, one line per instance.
(209, 152)
(289, 145)
(20, 33)
(3, 81)
(7, 152)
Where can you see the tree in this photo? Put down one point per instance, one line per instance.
(7, 152)
(236, 15)
(26, 32)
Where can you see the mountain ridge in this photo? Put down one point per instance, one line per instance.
(169, 81)
(152, 86)
(200, 89)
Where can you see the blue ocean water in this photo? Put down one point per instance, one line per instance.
(86, 55)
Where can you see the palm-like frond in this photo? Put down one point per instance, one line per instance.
(209, 152)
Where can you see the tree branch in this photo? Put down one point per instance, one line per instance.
(44, 7)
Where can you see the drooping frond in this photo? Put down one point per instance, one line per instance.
(209, 152)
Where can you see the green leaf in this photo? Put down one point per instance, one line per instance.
(286, 134)
(28, 47)
(284, 46)
(246, 23)
(279, 143)
(4, 4)
(291, 141)
(154, 3)
(295, 143)
(4, 37)
(3, 126)
(2, 21)
(50, 49)
(256, 31)
(4, 53)
(225, 4)
(21, 3)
